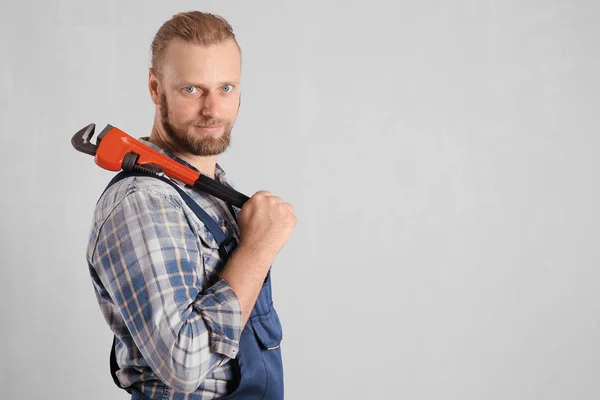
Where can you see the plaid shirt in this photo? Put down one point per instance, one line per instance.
(155, 270)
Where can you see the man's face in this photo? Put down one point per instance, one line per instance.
(200, 95)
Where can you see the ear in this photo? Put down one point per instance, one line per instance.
(154, 86)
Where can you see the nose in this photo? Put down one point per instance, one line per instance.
(212, 105)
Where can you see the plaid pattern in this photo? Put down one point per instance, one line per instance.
(155, 270)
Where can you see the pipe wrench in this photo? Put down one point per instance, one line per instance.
(115, 150)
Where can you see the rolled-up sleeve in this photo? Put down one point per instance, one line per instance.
(222, 320)
(150, 262)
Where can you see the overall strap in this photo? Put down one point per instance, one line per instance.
(226, 243)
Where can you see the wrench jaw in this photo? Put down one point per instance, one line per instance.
(103, 133)
(114, 149)
(81, 141)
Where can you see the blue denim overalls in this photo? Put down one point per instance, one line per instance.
(260, 368)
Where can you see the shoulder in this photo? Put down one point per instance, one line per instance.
(135, 189)
(136, 199)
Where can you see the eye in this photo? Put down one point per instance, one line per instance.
(227, 88)
(190, 89)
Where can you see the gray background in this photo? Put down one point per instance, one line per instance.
(441, 157)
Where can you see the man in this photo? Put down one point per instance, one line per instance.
(190, 321)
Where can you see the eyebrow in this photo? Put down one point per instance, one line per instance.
(203, 86)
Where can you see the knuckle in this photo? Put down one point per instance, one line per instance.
(262, 193)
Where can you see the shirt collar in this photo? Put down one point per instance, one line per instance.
(220, 175)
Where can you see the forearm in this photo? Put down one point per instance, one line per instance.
(245, 272)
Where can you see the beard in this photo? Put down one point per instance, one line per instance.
(186, 141)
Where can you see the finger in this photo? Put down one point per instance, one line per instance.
(289, 207)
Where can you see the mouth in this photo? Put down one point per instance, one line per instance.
(209, 129)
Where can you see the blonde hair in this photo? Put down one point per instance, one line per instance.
(192, 26)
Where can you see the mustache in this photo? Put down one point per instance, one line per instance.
(208, 123)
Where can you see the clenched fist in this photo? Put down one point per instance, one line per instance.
(266, 223)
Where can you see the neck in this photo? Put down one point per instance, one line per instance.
(205, 165)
